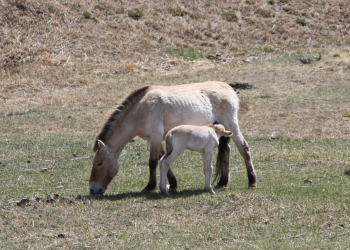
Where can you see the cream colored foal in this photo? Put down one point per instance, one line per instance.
(203, 139)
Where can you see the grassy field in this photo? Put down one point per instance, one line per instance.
(302, 199)
(295, 119)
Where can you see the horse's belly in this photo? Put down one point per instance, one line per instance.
(190, 111)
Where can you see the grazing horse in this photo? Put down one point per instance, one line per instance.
(203, 139)
(151, 111)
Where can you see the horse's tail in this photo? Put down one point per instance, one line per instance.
(168, 145)
(223, 143)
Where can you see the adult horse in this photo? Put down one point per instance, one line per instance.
(151, 111)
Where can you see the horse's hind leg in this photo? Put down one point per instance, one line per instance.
(243, 148)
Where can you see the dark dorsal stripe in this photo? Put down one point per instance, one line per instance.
(117, 115)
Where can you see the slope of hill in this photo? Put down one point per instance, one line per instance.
(129, 34)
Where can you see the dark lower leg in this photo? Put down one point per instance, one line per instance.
(249, 165)
(152, 183)
(172, 181)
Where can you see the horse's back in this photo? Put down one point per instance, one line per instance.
(196, 103)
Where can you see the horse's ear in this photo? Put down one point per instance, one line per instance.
(102, 146)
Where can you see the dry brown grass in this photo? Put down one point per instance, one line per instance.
(59, 69)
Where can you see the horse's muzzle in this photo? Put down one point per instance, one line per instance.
(95, 188)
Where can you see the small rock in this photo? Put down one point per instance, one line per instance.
(307, 181)
(55, 196)
(247, 61)
(43, 169)
(50, 200)
(327, 224)
(61, 236)
(305, 60)
(23, 202)
(59, 187)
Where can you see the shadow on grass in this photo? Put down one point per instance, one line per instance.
(149, 196)
(347, 172)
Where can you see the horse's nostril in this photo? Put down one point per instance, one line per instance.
(92, 191)
(100, 191)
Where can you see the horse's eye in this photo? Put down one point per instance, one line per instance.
(99, 164)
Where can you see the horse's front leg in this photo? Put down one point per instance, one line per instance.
(155, 154)
(153, 162)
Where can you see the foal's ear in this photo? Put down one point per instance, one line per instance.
(227, 133)
(102, 146)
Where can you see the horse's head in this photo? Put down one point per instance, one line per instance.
(221, 131)
(104, 168)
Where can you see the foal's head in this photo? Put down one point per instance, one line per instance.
(104, 168)
(220, 130)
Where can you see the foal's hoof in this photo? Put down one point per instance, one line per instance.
(165, 193)
(211, 191)
(251, 185)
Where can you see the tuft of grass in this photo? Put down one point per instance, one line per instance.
(230, 16)
(287, 9)
(87, 14)
(177, 11)
(265, 13)
(250, 2)
(188, 53)
(135, 14)
(346, 113)
(301, 21)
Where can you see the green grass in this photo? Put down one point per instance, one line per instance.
(284, 212)
(187, 53)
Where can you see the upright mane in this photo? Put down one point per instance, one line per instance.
(118, 114)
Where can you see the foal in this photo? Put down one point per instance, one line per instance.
(203, 139)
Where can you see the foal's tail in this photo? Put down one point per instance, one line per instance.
(223, 143)
(169, 145)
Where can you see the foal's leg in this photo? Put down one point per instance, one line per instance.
(164, 167)
(208, 169)
(171, 177)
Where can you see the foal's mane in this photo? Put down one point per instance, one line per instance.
(118, 114)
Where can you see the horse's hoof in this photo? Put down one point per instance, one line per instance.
(172, 190)
(145, 191)
(252, 185)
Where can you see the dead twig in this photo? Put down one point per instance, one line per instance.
(291, 237)
(331, 238)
